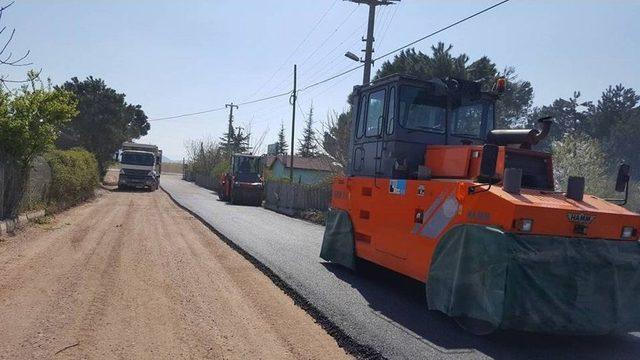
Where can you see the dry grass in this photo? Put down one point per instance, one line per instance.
(172, 167)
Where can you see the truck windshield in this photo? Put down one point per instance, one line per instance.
(130, 158)
(471, 120)
(421, 111)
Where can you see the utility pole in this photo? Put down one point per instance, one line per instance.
(292, 101)
(368, 51)
(230, 130)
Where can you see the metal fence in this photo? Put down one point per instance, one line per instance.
(206, 180)
(293, 198)
(35, 193)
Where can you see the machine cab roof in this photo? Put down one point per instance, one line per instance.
(395, 117)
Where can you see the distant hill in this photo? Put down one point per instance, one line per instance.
(166, 159)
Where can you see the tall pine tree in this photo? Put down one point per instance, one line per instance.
(234, 140)
(283, 147)
(307, 146)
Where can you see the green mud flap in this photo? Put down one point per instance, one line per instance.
(536, 283)
(468, 274)
(338, 242)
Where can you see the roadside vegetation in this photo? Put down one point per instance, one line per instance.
(30, 119)
(103, 122)
(74, 176)
(65, 135)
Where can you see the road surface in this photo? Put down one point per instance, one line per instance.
(131, 275)
(377, 308)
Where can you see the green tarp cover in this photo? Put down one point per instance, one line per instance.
(338, 244)
(537, 283)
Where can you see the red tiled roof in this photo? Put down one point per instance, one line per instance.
(321, 163)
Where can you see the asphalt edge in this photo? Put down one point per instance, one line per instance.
(345, 341)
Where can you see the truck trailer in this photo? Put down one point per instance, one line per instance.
(140, 166)
(434, 192)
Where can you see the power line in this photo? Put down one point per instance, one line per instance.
(187, 114)
(386, 27)
(409, 44)
(329, 37)
(443, 29)
(349, 70)
(220, 108)
(310, 56)
(296, 49)
(327, 64)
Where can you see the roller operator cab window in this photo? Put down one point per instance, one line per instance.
(360, 122)
(391, 110)
(375, 109)
(247, 169)
(472, 120)
(245, 164)
(421, 111)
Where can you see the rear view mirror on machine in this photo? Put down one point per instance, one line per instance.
(488, 163)
(623, 177)
(622, 184)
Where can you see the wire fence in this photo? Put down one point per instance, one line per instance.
(17, 196)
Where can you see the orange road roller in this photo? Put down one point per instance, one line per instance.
(433, 191)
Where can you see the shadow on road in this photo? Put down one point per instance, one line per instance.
(404, 302)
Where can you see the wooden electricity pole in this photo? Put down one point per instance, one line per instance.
(230, 130)
(292, 101)
(368, 51)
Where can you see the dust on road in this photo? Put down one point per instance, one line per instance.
(131, 275)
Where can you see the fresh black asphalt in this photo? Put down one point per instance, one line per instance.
(376, 308)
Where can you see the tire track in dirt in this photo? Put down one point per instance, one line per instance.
(57, 271)
(134, 276)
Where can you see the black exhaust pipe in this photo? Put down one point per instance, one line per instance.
(523, 137)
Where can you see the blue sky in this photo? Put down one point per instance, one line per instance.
(177, 57)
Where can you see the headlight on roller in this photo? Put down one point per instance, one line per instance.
(524, 225)
(628, 232)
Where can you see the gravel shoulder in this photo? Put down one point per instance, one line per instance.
(131, 275)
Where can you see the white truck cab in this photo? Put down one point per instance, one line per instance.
(140, 166)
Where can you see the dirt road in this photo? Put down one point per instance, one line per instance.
(131, 275)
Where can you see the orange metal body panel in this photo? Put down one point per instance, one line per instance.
(463, 161)
(399, 229)
(449, 161)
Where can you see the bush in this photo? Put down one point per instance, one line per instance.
(74, 177)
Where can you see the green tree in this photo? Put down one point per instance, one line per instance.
(513, 105)
(570, 116)
(234, 141)
(30, 120)
(615, 121)
(282, 146)
(105, 120)
(335, 138)
(581, 155)
(307, 146)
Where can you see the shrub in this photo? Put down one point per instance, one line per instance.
(74, 177)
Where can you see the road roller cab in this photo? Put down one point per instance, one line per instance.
(243, 184)
(435, 192)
